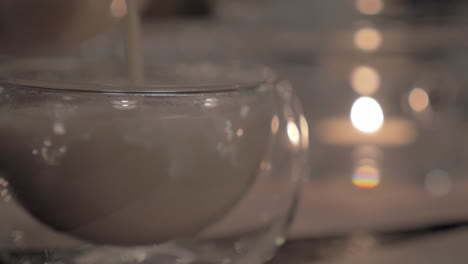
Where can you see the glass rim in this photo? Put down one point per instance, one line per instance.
(169, 79)
(116, 89)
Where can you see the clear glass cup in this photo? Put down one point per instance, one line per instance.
(97, 170)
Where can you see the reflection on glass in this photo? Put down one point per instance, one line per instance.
(3, 182)
(4, 193)
(438, 183)
(274, 124)
(367, 115)
(240, 132)
(368, 39)
(305, 132)
(418, 100)
(124, 104)
(210, 102)
(370, 7)
(118, 8)
(293, 133)
(365, 80)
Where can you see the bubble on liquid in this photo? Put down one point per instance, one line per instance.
(17, 237)
(228, 129)
(52, 155)
(4, 191)
(279, 241)
(240, 247)
(136, 256)
(47, 143)
(268, 75)
(265, 165)
(244, 112)
(44, 154)
(59, 128)
(285, 90)
(226, 261)
(124, 104)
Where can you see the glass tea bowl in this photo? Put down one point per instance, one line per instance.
(96, 170)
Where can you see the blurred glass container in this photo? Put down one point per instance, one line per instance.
(119, 149)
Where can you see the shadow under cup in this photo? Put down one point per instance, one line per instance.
(105, 169)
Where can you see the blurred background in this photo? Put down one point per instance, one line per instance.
(383, 85)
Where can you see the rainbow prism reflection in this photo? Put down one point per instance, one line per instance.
(366, 176)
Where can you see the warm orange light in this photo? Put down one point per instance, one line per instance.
(365, 80)
(118, 8)
(368, 39)
(370, 7)
(340, 131)
(418, 100)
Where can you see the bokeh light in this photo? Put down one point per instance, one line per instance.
(365, 80)
(118, 8)
(367, 115)
(368, 39)
(418, 100)
(370, 7)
